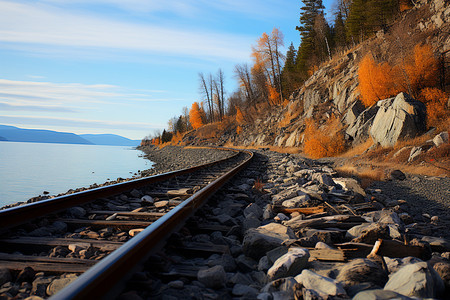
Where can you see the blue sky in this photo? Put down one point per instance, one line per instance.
(124, 67)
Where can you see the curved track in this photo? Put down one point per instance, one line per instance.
(175, 196)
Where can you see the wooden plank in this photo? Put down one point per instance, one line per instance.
(337, 221)
(302, 210)
(54, 242)
(45, 267)
(327, 254)
(143, 215)
(32, 258)
(104, 223)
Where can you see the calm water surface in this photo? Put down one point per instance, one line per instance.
(29, 169)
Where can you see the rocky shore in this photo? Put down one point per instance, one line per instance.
(300, 232)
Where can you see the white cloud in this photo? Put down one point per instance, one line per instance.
(39, 25)
(68, 97)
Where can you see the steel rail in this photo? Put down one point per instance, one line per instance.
(103, 280)
(14, 216)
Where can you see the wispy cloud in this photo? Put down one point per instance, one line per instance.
(68, 97)
(41, 25)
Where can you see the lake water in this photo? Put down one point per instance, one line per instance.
(29, 169)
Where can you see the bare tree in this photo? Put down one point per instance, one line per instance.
(206, 90)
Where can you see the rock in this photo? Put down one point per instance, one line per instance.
(415, 151)
(58, 284)
(5, 276)
(58, 227)
(379, 295)
(242, 290)
(255, 209)
(397, 175)
(394, 264)
(416, 280)
(322, 245)
(362, 270)
(176, 284)
(160, 204)
(135, 193)
(324, 286)
(372, 233)
(26, 275)
(350, 184)
(40, 232)
(398, 118)
(323, 178)
(40, 286)
(246, 264)
(258, 241)
(437, 244)
(77, 212)
(358, 230)
(77, 247)
(225, 219)
(280, 217)
(441, 138)
(264, 264)
(290, 264)
(214, 277)
(359, 129)
(443, 269)
(296, 201)
(147, 199)
(326, 236)
(251, 221)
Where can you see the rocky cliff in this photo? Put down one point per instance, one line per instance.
(333, 89)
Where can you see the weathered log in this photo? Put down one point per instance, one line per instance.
(393, 248)
(323, 222)
(302, 210)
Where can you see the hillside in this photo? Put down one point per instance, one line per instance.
(109, 139)
(331, 99)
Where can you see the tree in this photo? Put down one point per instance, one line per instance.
(195, 117)
(243, 74)
(218, 83)
(206, 88)
(239, 116)
(289, 77)
(422, 68)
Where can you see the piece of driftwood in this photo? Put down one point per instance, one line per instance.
(336, 221)
(302, 210)
(327, 254)
(332, 207)
(393, 248)
(355, 250)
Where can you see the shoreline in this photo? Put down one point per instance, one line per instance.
(164, 160)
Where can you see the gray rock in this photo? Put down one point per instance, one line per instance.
(326, 236)
(437, 244)
(242, 290)
(40, 286)
(296, 201)
(58, 284)
(415, 151)
(5, 276)
(58, 227)
(258, 241)
(268, 212)
(359, 129)
(324, 286)
(176, 284)
(255, 209)
(397, 175)
(379, 295)
(246, 264)
(357, 231)
(147, 199)
(251, 221)
(276, 253)
(214, 277)
(323, 178)
(40, 232)
(264, 264)
(322, 245)
(416, 280)
(135, 193)
(226, 220)
(77, 212)
(394, 264)
(241, 278)
(362, 270)
(26, 275)
(350, 184)
(290, 264)
(400, 118)
(441, 138)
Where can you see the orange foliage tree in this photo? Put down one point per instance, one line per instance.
(176, 138)
(436, 103)
(323, 142)
(274, 96)
(422, 68)
(238, 130)
(239, 116)
(195, 116)
(377, 81)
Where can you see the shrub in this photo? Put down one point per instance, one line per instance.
(239, 116)
(238, 130)
(325, 141)
(436, 103)
(422, 68)
(377, 81)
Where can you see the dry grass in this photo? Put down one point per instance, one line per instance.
(366, 174)
(358, 149)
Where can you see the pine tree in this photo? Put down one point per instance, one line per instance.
(339, 37)
(289, 77)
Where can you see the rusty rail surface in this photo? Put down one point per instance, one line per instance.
(108, 276)
(21, 214)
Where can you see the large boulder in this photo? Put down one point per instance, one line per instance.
(398, 118)
(359, 129)
(258, 241)
(416, 280)
(362, 270)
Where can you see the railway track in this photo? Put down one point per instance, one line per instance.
(92, 241)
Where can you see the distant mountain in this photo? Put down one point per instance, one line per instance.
(110, 139)
(15, 134)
